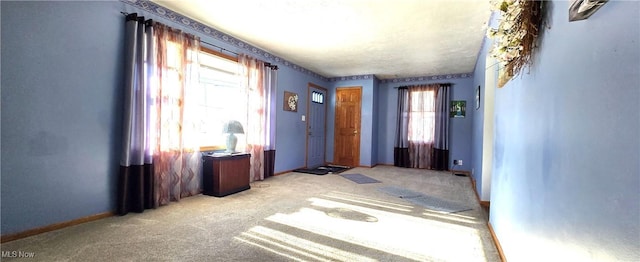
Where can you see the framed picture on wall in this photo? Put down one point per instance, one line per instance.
(478, 98)
(290, 101)
(458, 109)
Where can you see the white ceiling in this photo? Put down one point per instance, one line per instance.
(390, 39)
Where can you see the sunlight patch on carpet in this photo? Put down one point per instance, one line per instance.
(407, 236)
(294, 247)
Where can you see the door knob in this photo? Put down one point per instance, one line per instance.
(355, 131)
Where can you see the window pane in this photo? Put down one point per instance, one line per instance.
(317, 97)
(222, 100)
(422, 116)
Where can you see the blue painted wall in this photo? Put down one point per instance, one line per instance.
(566, 173)
(478, 119)
(60, 110)
(482, 133)
(290, 129)
(460, 128)
(375, 122)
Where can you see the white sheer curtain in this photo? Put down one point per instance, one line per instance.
(421, 125)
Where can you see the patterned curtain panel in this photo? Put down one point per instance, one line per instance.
(440, 156)
(160, 159)
(259, 81)
(401, 145)
(177, 162)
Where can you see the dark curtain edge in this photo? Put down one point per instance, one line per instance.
(401, 157)
(135, 189)
(269, 162)
(440, 159)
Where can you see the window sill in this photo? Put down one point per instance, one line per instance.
(211, 148)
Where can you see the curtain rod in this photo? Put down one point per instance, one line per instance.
(222, 49)
(269, 65)
(405, 87)
(219, 47)
(205, 42)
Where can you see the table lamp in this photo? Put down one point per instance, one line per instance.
(232, 127)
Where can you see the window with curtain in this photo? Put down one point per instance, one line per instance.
(422, 127)
(175, 100)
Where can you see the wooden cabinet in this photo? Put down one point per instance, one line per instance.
(225, 175)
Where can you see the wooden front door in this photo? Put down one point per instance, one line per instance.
(347, 126)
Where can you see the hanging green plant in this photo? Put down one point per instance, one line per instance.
(516, 36)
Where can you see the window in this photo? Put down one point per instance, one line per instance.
(220, 99)
(317, 97)
(421, 116)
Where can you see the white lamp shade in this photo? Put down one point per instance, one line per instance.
(233, 127)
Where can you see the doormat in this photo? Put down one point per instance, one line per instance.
(360, 178)
(323, 170)
(429, 202)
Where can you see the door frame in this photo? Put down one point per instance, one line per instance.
(306, 148)
(335, 131)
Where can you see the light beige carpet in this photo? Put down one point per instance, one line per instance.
(291, 217)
